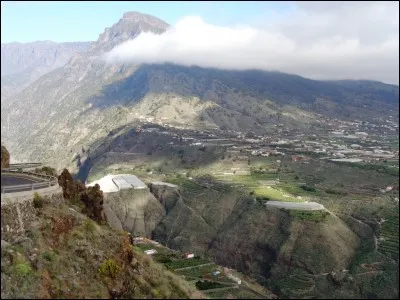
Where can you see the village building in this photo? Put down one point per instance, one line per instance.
(150, 252)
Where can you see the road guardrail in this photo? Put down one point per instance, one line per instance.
(50, 181)
(23, 166)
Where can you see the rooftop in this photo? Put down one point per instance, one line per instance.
(114, 183)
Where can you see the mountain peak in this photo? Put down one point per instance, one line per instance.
(130, 26)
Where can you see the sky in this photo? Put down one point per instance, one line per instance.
(71, 21)
(320, 40)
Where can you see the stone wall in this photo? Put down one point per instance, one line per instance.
(17, 215)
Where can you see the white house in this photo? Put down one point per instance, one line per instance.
(189, 255)
(150, 252)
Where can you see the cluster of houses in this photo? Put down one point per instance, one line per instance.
(344, 140)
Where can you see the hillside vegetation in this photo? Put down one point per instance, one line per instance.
(64, 254)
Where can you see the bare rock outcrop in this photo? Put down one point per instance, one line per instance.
(135, 211)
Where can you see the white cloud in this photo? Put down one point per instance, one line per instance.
(322, 40)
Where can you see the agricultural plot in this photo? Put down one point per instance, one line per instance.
(206, 272)
(189, 188)
(185, 263)
(389, 246)
(273, 193)
(199, 272)
(297, 285)
(253, 184)
(238, 293)
(163, 254)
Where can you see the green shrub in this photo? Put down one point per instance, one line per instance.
(22, 269)
(308, 188)
(163, 258)
(48, 255)
(37, 200)
(208, 285)
(89, 225)
(109, 268)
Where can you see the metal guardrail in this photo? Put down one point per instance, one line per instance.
(50, 181)
(23, 166)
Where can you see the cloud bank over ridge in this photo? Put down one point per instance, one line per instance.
(321, 40)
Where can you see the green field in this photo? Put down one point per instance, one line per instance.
(390, 233)
(297, 285)
(184, 263)
(233, 294)
(200, 272)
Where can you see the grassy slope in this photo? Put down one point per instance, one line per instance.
(66, 255)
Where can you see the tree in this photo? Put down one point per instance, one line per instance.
(5, 157)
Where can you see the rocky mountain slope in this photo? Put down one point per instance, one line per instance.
(81, 102)
(23, 63)
(135, 211)
(297, 256)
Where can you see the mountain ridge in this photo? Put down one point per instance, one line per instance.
(91, 97)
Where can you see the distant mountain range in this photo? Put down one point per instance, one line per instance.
(79, 99)
(23, 63)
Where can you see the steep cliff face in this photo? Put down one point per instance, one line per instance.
(135, 211)
(167, 194)
(241, 233)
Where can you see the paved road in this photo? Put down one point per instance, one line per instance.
(9, 180)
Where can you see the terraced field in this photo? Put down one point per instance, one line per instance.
(199, 269)
(298, 285)
(199, 272)
(238, 293)
(185, 263)
(253, 183)
(389, 246)
(205, 272)
(190, 188)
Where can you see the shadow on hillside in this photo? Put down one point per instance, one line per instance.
(196, 81)
(207, 84)
(251, 88)
(151, 146)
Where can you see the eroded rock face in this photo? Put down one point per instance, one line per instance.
(167, 195)
(5, 157)
(135, 211)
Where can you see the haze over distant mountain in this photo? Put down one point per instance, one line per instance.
(83, 101)
(23, 63)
